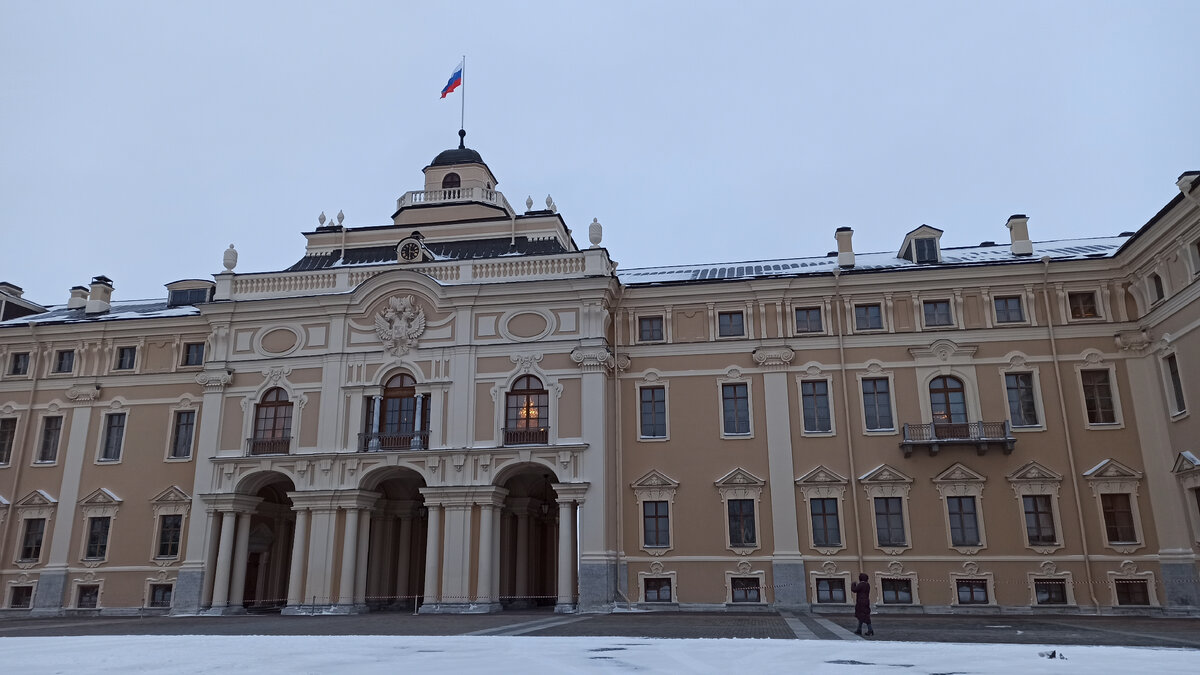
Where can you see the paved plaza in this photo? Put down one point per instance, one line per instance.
(1053, 630)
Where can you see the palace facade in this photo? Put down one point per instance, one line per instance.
(465, 411)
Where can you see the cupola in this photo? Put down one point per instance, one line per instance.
(458, 168)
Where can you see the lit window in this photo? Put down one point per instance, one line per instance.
(948, 400)
(527, 412)
(1083, 305)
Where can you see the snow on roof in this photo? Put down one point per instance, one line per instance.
(1063, 249)
(127, 309)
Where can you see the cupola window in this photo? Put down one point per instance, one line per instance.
(450, 181)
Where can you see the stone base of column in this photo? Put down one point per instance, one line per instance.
(48, 599)
(189, 587)
(791, 590)
(1181, 586)
(227, 610)
(597, 586)
(566, 608)
(460, 608)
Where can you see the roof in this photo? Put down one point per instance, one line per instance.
(1064, 249)
(457, 156)
(446, 250)
(128, 309)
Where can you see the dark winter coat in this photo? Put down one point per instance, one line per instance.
(862, 600)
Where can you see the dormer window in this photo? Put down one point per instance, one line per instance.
(451, 180)
(926, 250)
(922, 246)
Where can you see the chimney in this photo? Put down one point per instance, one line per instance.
(79, 295)
(100, 296)
(845, 255)
(1018, 226)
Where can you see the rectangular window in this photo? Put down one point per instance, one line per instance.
(160, 595)
(19, 364)
(972, 592)
(88, 596)
(889, 521)
(22, 597)
(650, 329)
(31, 543)
(656, 524)
(1176, 383)
(1039, 520)
(831, 590)
(658, 590)
(926, 250)
(1083, 305)
(964, 523)
(814, 395)
(896, 591)
(745, 589)
(824, 515)
(937, 313)
(730, 324)
(1022, 407)
(193, 354)
(1050, 591)
(114, 437)
(181, 437)
(741, 523)
(8, 435)
(1132, 592)
(169, 529)
(1097, 396)
(877, 404)
(97, 541)
(654, 412)
(808, 320)
(1118, 518)
(1008, 309)
(126, 356)
(51, 430)
(735, 406)
(868, 317)
(64, 361)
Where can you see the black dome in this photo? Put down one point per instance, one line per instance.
(459, 155)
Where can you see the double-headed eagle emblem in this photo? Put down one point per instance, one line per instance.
(400, 325)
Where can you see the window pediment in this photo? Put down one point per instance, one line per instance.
(100, 497)
(739, 478)
(1034, 472)
(172, 495)
(1186, 462)
(884, 474)
(36, 499)
(821, 476)
(959, 480)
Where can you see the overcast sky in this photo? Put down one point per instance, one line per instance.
(138, 140)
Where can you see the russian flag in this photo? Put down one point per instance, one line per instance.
(455, 80)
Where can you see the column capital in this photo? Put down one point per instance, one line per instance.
(775, 357)
(465, 495)
(234, 503)
(594, 359)
(571, 492)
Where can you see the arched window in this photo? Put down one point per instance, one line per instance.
(272, 424)
(948, 400)
(451, 180)
(527, 412)
(399, 411)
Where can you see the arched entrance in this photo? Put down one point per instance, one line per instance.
(253, 530)
(529, 539)
(399, 527)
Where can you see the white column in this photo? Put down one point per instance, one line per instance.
(295, 592)
(433, 550)
(483, 582)
(378, 563)
(498, 521)
(566, 554)
(360, 574)
(417, 424)
(220, 595)
(521, 568)
(210, 557)
(374, 444)
(265, 560)
(403, 553)
(241, 557)
(349, 550)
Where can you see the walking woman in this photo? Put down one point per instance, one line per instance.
(862, 604)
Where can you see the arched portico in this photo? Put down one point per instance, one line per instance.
(396, 550)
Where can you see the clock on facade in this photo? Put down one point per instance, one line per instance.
(410, 251)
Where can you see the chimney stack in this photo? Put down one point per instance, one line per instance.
(101, 295)
(79, 296)
(1018, 227)
(845, 256)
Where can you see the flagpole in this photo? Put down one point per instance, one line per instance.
(463, 114)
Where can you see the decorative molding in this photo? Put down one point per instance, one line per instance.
(526, 362)
(593, 359)
(1133, 340)
(943, 350)
(400, 325)
(774, 358)
(82, 394)
(214, 380)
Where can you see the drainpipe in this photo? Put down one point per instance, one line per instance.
(1062, 409)
(837, 296)
(17, 459)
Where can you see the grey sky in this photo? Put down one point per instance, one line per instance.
(138, 140)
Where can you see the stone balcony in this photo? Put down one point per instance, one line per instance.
(935, 436)
(453, 195)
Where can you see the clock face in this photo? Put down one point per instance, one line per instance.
(410, 251)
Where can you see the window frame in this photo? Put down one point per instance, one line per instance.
(740, 484)
(883, 322)
(656, 486)
(150, 599)
(1082, 316)
(960, 480)
(644, 580)
(1068, 598)
(910, 579)
(63, 357)
(829, 581)
(876, 374)
(730, 313)
(662, 522)
(1111, 477)
(656, 384)
(38, 456)
(170, 502)
(23, 544)
(1019, 364)
(1176, 393)
(173, 433)
(161, 527)
(95, 549)
(734, 382)
(24, 358)
(12, 593)
(951, 319)
(757, 577)
(1033, 479)
(974, 580)
(1093, 363)
(121, 351)
(662, 329)
(8, 441)
(186, 360)
(1034, 395)
(1128, 573)
(106, 437)
(77, 587)
(808, 309)
(1008, 310)
(823, 483)
(827, 381)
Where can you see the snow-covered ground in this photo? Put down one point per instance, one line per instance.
(554, 656)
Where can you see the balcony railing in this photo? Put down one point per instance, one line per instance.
(392, 442)
(527, 436)
(458, 194)
(982, 435)
(268, 446)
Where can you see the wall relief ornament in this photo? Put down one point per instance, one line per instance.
(400, 325)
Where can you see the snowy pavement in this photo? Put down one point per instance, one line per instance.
(354, 654)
